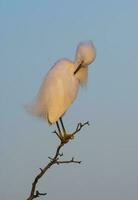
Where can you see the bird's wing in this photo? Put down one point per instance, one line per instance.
(57, 93)
(62, 91)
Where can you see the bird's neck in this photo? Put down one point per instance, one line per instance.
(82, 75)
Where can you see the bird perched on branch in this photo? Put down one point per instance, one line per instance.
(60, 87)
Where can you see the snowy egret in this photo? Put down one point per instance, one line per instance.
(60, 87)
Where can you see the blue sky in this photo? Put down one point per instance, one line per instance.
(33, 35)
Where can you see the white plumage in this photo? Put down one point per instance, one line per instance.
(60, 86)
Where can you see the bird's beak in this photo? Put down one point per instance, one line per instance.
(78, 68)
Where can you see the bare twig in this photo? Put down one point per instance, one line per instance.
(79, 127)
(54, 160)
(68, 161)
(38, 194)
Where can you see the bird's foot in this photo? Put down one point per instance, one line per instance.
(64, 137)
(67, 137)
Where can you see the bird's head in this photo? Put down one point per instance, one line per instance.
(85, 55)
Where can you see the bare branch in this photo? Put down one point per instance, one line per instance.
(43, 171)
(68, 161)
(79, 127)
(54, 160)
(38, 194)
(57, 134)
(60, 154)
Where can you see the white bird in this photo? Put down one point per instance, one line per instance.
(60, 86)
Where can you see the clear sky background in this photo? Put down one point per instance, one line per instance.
(33, 35)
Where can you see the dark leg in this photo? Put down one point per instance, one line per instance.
(59, 134)
(64, 130)
(58, 127)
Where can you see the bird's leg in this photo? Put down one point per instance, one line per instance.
(64, 130)
(59, 131)
(66, 137)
